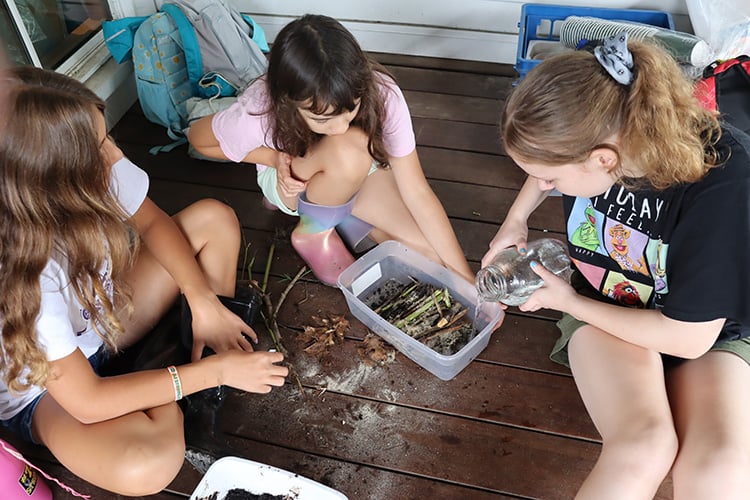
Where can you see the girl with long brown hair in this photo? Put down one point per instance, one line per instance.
(88, 265)
(332, 138)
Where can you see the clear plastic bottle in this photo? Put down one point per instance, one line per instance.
(509, 278)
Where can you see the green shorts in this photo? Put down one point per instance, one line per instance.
(267, 184)
(568, 325)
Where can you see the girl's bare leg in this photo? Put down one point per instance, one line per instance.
(623, 388)
(211, 229)
(710, 399)
(342, 163)
(380, 203)
(137, 454)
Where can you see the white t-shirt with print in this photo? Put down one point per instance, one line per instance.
(63, 324)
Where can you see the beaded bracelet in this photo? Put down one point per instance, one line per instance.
(175, 382)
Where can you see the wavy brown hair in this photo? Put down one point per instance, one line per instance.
(55, 202)
(316, 61)
(569, 105)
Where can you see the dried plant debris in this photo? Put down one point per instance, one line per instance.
(375, 351)
(324, 333)
(425, 312)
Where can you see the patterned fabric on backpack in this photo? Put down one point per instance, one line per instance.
(725, 87)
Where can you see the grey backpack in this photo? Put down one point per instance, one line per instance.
(201, 49)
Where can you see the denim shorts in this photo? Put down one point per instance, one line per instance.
(21, 423)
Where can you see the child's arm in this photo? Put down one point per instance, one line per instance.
(201, 137)
(514, 229)
(429, 213)
(90, 398)
(213, 324)
(648, 328)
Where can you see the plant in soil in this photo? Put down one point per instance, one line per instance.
(425, 312)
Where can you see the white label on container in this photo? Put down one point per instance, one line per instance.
(366, 279)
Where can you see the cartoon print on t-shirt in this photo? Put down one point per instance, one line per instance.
(656, 253)
(622, 244)
(593, 274)
(626, 292)
(108, 287)
(586, 235)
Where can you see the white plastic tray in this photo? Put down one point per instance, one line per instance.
(231, 472)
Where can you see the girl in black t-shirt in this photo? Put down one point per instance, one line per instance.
(658, 224)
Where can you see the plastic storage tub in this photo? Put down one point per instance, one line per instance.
(392, 260)
(541, 22)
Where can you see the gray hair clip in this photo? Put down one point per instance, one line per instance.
(615, 57)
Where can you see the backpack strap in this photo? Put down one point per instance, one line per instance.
(257, 33)
(118, 36)
(190, 45)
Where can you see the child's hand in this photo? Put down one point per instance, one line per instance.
(217, 327)
(510, 234)
(555, 293)
(253, 372)
(288, 185)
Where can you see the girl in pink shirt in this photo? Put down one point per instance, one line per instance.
(331, 135)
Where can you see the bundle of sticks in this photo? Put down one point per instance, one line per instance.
(425, 312)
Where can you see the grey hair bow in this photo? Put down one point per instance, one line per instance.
(614, 55)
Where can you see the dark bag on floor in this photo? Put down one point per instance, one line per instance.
(725, 87)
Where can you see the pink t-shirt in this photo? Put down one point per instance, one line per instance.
(242, 127)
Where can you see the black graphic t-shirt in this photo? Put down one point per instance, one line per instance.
(683, 250)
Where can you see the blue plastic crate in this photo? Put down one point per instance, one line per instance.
(542, 22)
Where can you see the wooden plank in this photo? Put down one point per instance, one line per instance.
(464, 66)
(357, 481)
(480, 138)
(343, 370)
(177, 166)
(488, 204)
(483, 390)
(473, 234)
(438, 163)
(451, 82)
(421, 443)
(469, 167)
(451, 107)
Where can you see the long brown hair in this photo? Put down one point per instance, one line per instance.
(569, 105)
(55, 202)
(315, 60)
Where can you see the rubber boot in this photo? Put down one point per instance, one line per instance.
(315, 239)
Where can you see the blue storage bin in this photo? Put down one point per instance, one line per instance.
(542, 22)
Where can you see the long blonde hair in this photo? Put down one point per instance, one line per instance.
(569, 105)
(55, 199)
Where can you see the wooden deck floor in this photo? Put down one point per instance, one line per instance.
(511, 425)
